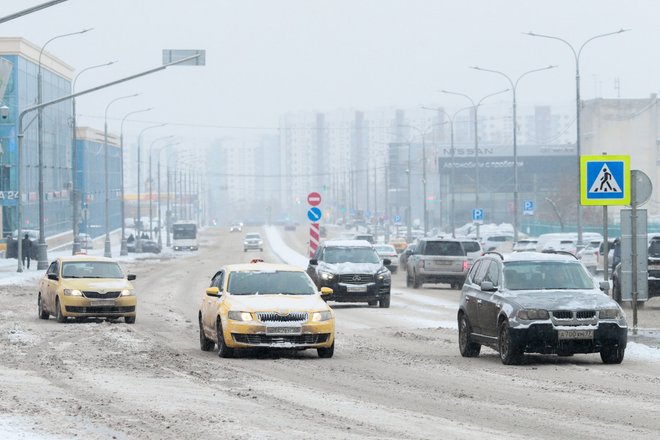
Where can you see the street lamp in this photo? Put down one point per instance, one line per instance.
(124, 248)
(476, 139)
(108, 249)
(576, 55)
(160, 235)
(514, 87)
(75, 197)
(138, 239)
(151, 184)
(42, 255)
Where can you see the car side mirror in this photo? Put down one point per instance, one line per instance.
(326, 291)
(313, 262)
(131, 277)
(213, 291)
(604, 286)
(487, 286)
(387, 262)
(53, 276)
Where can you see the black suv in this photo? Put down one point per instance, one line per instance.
(354, 272)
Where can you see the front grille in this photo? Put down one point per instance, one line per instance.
(585, 314)
(654, 273)
(260, 339)
(275, 317)
(100, 309)
(562, 314)
(107, 295)
(356, 278)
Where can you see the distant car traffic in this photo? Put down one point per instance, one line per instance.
(86, 241)
(531, 302)
(84, 286)
(399, 243)
(148, 246)
(253, 241)
(437, 260)
(236, 227)
(289, 226)
(387, 251)
(525, 245)
(265, 305)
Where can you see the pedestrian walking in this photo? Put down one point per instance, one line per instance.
(26, 244)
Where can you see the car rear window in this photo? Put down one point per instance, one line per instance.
(446, 248)
(471, 246)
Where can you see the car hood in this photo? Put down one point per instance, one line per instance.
(256, 303)
(562, 299)
(100, 284)
(347, 268)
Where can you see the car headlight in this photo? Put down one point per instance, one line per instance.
(609, 313)
(126, 292)
(322, 316)
(236, 315)
(533, 314)
(327, 276)
(72, 292)
(383, 274)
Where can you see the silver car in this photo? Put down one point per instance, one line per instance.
(528, 302)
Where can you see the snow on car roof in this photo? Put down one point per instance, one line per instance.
(263, 267)
(537, 256)
(347, 243)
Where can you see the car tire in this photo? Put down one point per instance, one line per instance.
(372, 302)
(129, 319)
(43, 313)
(223, 350)
(510, 352)
(384, 302)
(616, 290)
(612, 354)
(465, 345)
(59, 316)
(205, 343)
(416, 282)
(326, 352)
(408, 279)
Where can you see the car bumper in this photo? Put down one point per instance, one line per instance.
(543, 338)
(184, 248)
(434, 277)
(342, 292)
(86, 307)
(252, 335)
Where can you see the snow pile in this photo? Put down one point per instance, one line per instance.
(283, 251)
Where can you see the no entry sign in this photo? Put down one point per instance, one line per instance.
(314, 198)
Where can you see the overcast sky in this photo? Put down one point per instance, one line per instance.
(267, 57)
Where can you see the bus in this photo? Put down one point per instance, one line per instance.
(184, 236)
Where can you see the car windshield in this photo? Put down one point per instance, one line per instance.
(91, 269)
(385, 249)
(542, 275)
(253, 237)
(270, 283)
(335, 255)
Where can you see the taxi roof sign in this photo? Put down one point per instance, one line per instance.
(605, 180)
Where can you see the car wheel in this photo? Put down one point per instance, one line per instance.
(326, 352)
(129, 319)
(58, 312)
(416, 283)
(205, 343)
(223, 350)
(465, 345)
(384, 302)
(510, 353)
(372, 302)
(43, 313)
(612, 354)
(408, 280)
(616, 290)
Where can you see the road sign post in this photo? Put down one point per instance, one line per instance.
(314, 214)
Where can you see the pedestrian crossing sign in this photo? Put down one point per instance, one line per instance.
(605, 180)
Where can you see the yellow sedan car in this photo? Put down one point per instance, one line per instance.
(265, 305)
(81, 286)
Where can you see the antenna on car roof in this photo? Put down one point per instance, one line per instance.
(496, 253)
(552, 251)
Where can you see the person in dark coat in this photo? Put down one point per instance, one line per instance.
(26, 243)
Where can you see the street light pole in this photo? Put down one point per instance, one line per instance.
(108, 248)
(124, 248)
(514, 87)
(151, 184)
(576, 55)
(75, 197)
(42, 255)
(476, 139)
(138, 239)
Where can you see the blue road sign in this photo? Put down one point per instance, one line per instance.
(314, 214)
(528, 207)
(397, 218)
(478, 215)
(605, 180)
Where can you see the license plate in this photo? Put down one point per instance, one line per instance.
(575, 334)
(102, 303)
(283, 330)
(442, 263)
(358, 288)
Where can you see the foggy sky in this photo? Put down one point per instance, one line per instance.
(267, 57)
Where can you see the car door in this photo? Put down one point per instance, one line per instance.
(51, 286)
(491, 302)
(211, 304)
(471, 294)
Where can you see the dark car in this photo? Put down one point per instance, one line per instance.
(353, 270)
(148, 246)
(653, 270)
(289, 226)
(530, 302)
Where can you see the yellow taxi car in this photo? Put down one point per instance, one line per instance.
(81, 286)
(399, 244)
(265, 305)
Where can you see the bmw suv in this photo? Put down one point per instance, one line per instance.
(353, 270)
